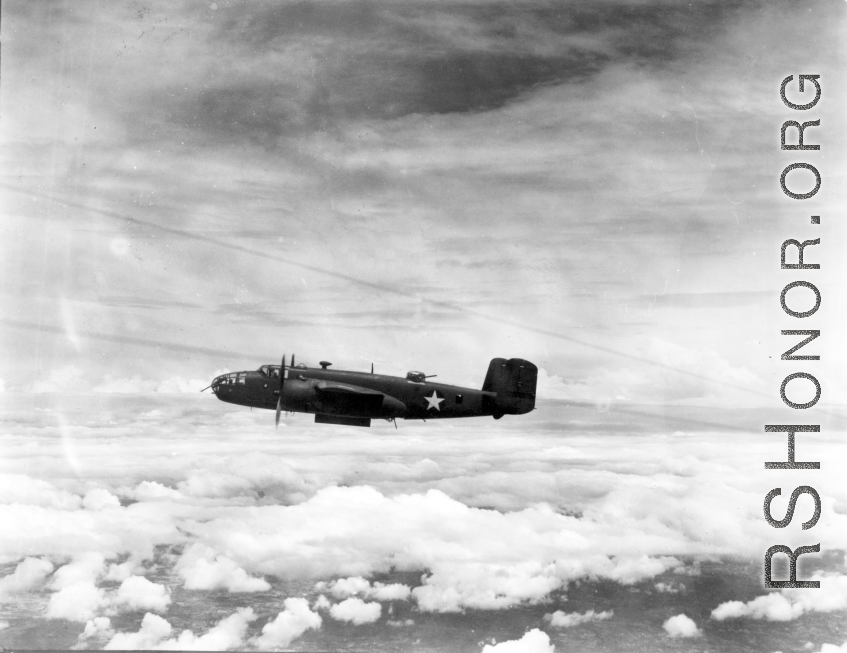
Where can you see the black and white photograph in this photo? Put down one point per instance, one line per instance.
(427, 326)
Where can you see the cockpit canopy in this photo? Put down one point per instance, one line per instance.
(271, 371)
(416, 377)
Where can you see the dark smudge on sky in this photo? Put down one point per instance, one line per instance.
(371, 60)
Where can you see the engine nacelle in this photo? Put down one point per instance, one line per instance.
(299, 395)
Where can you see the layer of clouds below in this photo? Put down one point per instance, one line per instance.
(496, 518)
(488, 516)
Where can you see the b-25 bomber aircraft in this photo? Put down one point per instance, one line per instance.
(355, 398)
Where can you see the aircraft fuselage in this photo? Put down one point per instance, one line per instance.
(348, 397)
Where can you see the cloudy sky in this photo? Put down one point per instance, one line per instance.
(191, 187)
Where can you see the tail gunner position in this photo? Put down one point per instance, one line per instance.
(354, 398)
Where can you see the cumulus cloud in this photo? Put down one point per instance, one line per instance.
(560, 619)
(3, 624)
(345, 587)
(138, 593)
(23, 489)
(832, 648)
(84, 568)
(681, 626)
(266, 479)
(228, 633)
(534, 641)
(789, 604)
(30, 574)
(119, 572)
(773, 607)
(356, 585)
(99, 499)
(203, 570)
(451, 587)
(289, 624)
(97, 628)
(154, 491)
(154, 633)
(508, 558)
(78, 597)
(322, 603)
(81, 601)
(389, 592)
(630, 570)
(356, 611)
(153, 630)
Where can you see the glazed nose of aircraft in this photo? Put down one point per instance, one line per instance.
(219, 382)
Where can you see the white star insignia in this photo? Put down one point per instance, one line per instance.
(434, 401)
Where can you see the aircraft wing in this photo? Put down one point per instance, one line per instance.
(341, 398)
(345, 389)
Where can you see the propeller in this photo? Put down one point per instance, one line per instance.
(281, 382)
